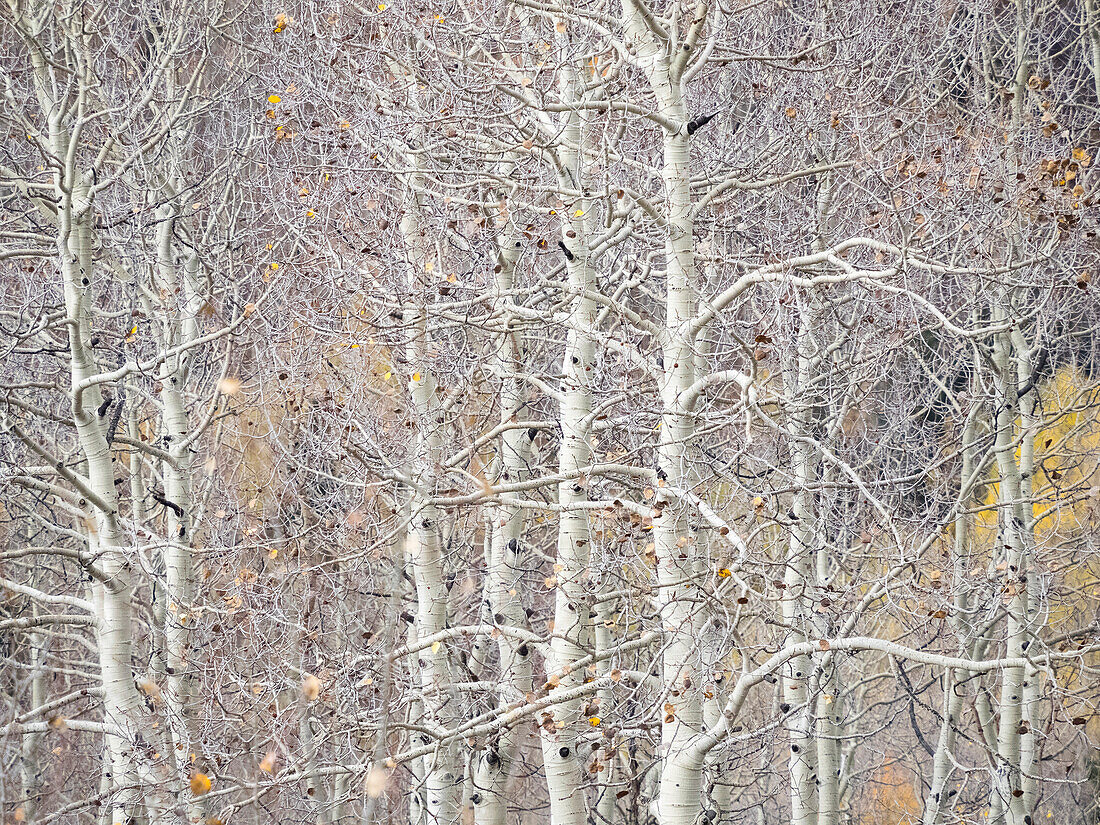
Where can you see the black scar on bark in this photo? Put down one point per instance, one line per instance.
(699, 122)
(160, 499)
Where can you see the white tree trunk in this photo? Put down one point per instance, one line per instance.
(442, 772)
(938, 799)
(495, 766)
(572, 632)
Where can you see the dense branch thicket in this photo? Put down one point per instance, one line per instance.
(513, 411)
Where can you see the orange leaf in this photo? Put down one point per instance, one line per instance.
(200, 784)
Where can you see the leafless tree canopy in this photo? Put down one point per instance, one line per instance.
(499, 412)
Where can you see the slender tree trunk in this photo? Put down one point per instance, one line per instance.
(938, 799)
(30, 762)
(572, 632)
(424, 547)
(798, 701)
(178, 326)
(494, 767)
(1014, 735)
(676, 540)
(123, 707)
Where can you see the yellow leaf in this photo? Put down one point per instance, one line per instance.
(416, 376)
(381, 6)
(436, 646)
(273, 99)
(267, 764)
(200, 784)
(579, 213)
(594, 721)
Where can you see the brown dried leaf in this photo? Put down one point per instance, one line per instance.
(311, 687)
